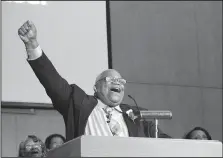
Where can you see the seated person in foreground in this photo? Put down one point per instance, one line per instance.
(83, 114)
(53, 141)
(32, 147)
(198, 133)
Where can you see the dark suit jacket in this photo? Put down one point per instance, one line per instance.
(75, 105)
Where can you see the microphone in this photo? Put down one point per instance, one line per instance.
(146, 114)
(151, 114)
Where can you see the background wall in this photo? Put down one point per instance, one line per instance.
(171, 55)
(73, 34)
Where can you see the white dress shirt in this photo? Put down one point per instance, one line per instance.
(97, 122)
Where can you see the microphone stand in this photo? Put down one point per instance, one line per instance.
(156, 128)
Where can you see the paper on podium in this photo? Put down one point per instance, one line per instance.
(101, 146)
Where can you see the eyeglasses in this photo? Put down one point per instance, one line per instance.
(114, 80)
(29, 147)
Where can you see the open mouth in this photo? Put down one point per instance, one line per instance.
(35, 152)
(117, 90)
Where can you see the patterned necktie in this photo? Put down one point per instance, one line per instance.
(113, 124)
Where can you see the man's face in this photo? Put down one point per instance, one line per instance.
(56, 142)
(32, 149)
(110, 88)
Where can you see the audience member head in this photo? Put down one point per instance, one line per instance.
(54, 140)
(34, 147)
(109, 87)
(198, 133)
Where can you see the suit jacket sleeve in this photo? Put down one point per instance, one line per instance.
(57, 88)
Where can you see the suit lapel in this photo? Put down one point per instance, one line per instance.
(131, 125)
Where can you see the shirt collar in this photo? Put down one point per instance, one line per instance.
(102, 105)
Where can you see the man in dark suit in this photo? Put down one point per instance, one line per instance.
(98, 115)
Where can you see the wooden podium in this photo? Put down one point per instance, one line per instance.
(92, 146)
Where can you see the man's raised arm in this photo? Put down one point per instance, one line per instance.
(56, 87)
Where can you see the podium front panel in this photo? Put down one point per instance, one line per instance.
(95, 146)
(146, 147)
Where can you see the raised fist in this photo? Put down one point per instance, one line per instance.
(27, 32)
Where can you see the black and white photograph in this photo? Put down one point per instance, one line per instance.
(111, 79)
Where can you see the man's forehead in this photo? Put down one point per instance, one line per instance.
(109, 73)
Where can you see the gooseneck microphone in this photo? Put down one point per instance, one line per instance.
(152, 114)
(146, 114)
